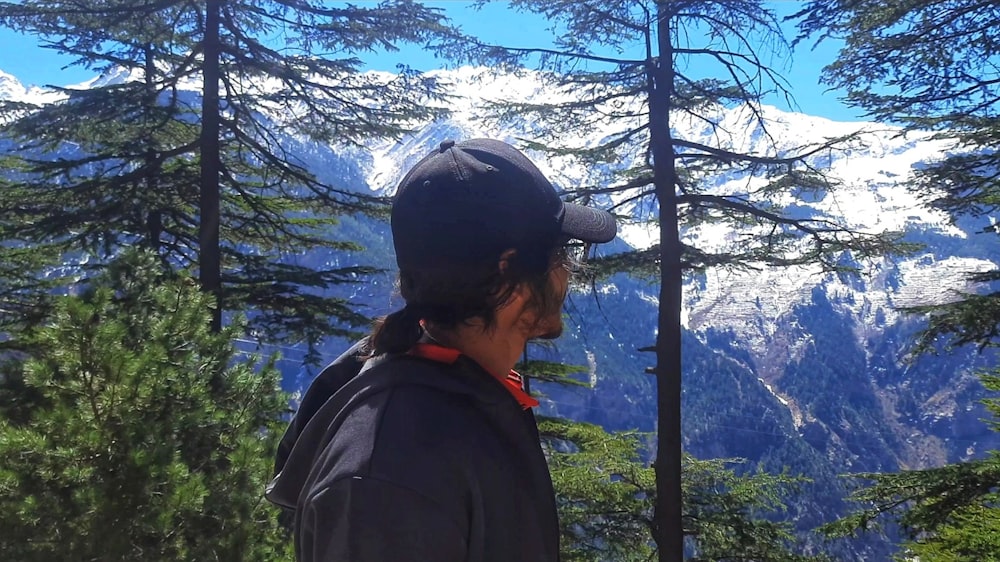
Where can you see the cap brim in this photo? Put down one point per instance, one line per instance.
(587, 224)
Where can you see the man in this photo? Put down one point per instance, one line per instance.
(419, 443)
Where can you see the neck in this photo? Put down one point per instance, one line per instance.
(495, 350)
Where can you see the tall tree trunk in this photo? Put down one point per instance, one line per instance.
(154, 217)
(669, 531)
(210, 268)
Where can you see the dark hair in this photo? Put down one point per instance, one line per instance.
(452, 295)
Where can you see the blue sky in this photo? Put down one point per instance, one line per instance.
(22, 57)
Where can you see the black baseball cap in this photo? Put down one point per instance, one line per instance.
(474, 199)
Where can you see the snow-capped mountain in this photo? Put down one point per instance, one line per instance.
(11, 88)
(790, 367)
(872, 196)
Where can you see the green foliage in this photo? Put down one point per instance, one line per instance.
(973, 536)
(946, 513)
(731, 516)
(920, 62)
(930, 65)
(969, 319)
(128, 161)
(550, 372)
(131, 432)
(605, 494)
(602, 490)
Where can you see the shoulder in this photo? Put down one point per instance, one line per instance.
(405, 410)
(428, 411)
(417, 439)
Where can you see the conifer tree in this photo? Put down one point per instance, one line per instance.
(193, 147)
(605, 494)
(641, 64)
(930, 66)
(133, 432)
(605, 491)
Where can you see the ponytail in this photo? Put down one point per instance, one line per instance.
(397, 332)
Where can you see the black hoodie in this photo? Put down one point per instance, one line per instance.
(408, 459)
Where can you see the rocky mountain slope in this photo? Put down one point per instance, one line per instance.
(767, 312)
(788, 367)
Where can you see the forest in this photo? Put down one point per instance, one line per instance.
(184, 246)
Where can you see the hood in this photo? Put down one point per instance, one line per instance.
(353, 377)
(282, 489)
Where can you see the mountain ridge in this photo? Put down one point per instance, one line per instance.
(788, 367)
(871, 196)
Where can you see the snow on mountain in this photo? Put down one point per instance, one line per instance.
(112, 77)
(11, 88)
(781, 326)
(871, 196)
(871, 171)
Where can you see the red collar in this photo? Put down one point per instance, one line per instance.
(513, 382)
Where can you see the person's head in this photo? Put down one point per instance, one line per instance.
(479, 233)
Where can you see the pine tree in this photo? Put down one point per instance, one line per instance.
(929, 66)
(605, 492)
(947, 513)
(639, 64)
(146, 436)
(190, 151)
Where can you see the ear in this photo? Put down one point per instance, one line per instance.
(521, 292)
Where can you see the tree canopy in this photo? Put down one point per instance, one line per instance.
(605, 492)
(932, 66)
(190, 145)
(636, 71)
(133, 432)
